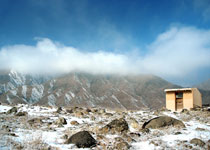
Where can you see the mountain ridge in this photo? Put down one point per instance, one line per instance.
(83, 89)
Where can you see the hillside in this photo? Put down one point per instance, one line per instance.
(80, 89)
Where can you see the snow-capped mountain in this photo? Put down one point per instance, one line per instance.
(20, 88)
(81, 89)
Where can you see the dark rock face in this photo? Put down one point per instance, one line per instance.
(198, 142)
(12, 110)
(117, 125)
(162, 121)
(82, 139)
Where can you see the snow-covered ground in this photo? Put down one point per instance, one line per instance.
(16, 132)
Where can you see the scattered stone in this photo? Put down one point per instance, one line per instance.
(88, 110)
(93, 118)
(133, 134)
(177, 133)
(197, 108)
(69, 111)
(134, 124)
(156, 113)
(198, 142)
(79, 114)
(74, 123)
(102, 111)
(24, 113)
(35, 121)
(85, 112)
(154, 143)
(145, 130)
(100, 137)
(186, 111)
(122, 146)
(164, 109)
(117, 125)
(119, 139)
(200, 129)
(12, 134)
(12, 110)
(6, 128)
(163, 121)
(59, 110)
(94, 110)
(82, 139)
(61, 121)
(108, 114)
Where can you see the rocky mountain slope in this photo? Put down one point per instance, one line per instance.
(80, 89)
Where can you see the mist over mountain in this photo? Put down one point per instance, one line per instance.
(82, 89)
(204, 88)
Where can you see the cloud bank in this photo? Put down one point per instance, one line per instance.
(175, 53)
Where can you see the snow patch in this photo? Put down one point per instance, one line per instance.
(51, 100)
(72, 94)
(14, 92)
(24, 90)
(67, 98)
(37, 93)
(8, 99)
(4, 108)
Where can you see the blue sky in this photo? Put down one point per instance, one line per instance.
(131, 29)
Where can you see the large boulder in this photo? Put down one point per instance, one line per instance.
(82, 139)
(118, 125)
(163, 121)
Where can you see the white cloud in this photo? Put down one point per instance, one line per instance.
(51, 57)
(176, 52)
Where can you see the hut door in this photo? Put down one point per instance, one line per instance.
(179, 104)
(179, 101)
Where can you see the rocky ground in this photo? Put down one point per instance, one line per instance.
(37, 127)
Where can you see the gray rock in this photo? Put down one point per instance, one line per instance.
(118, 125)
(82, 139)
(122, 146)
(163, 121)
